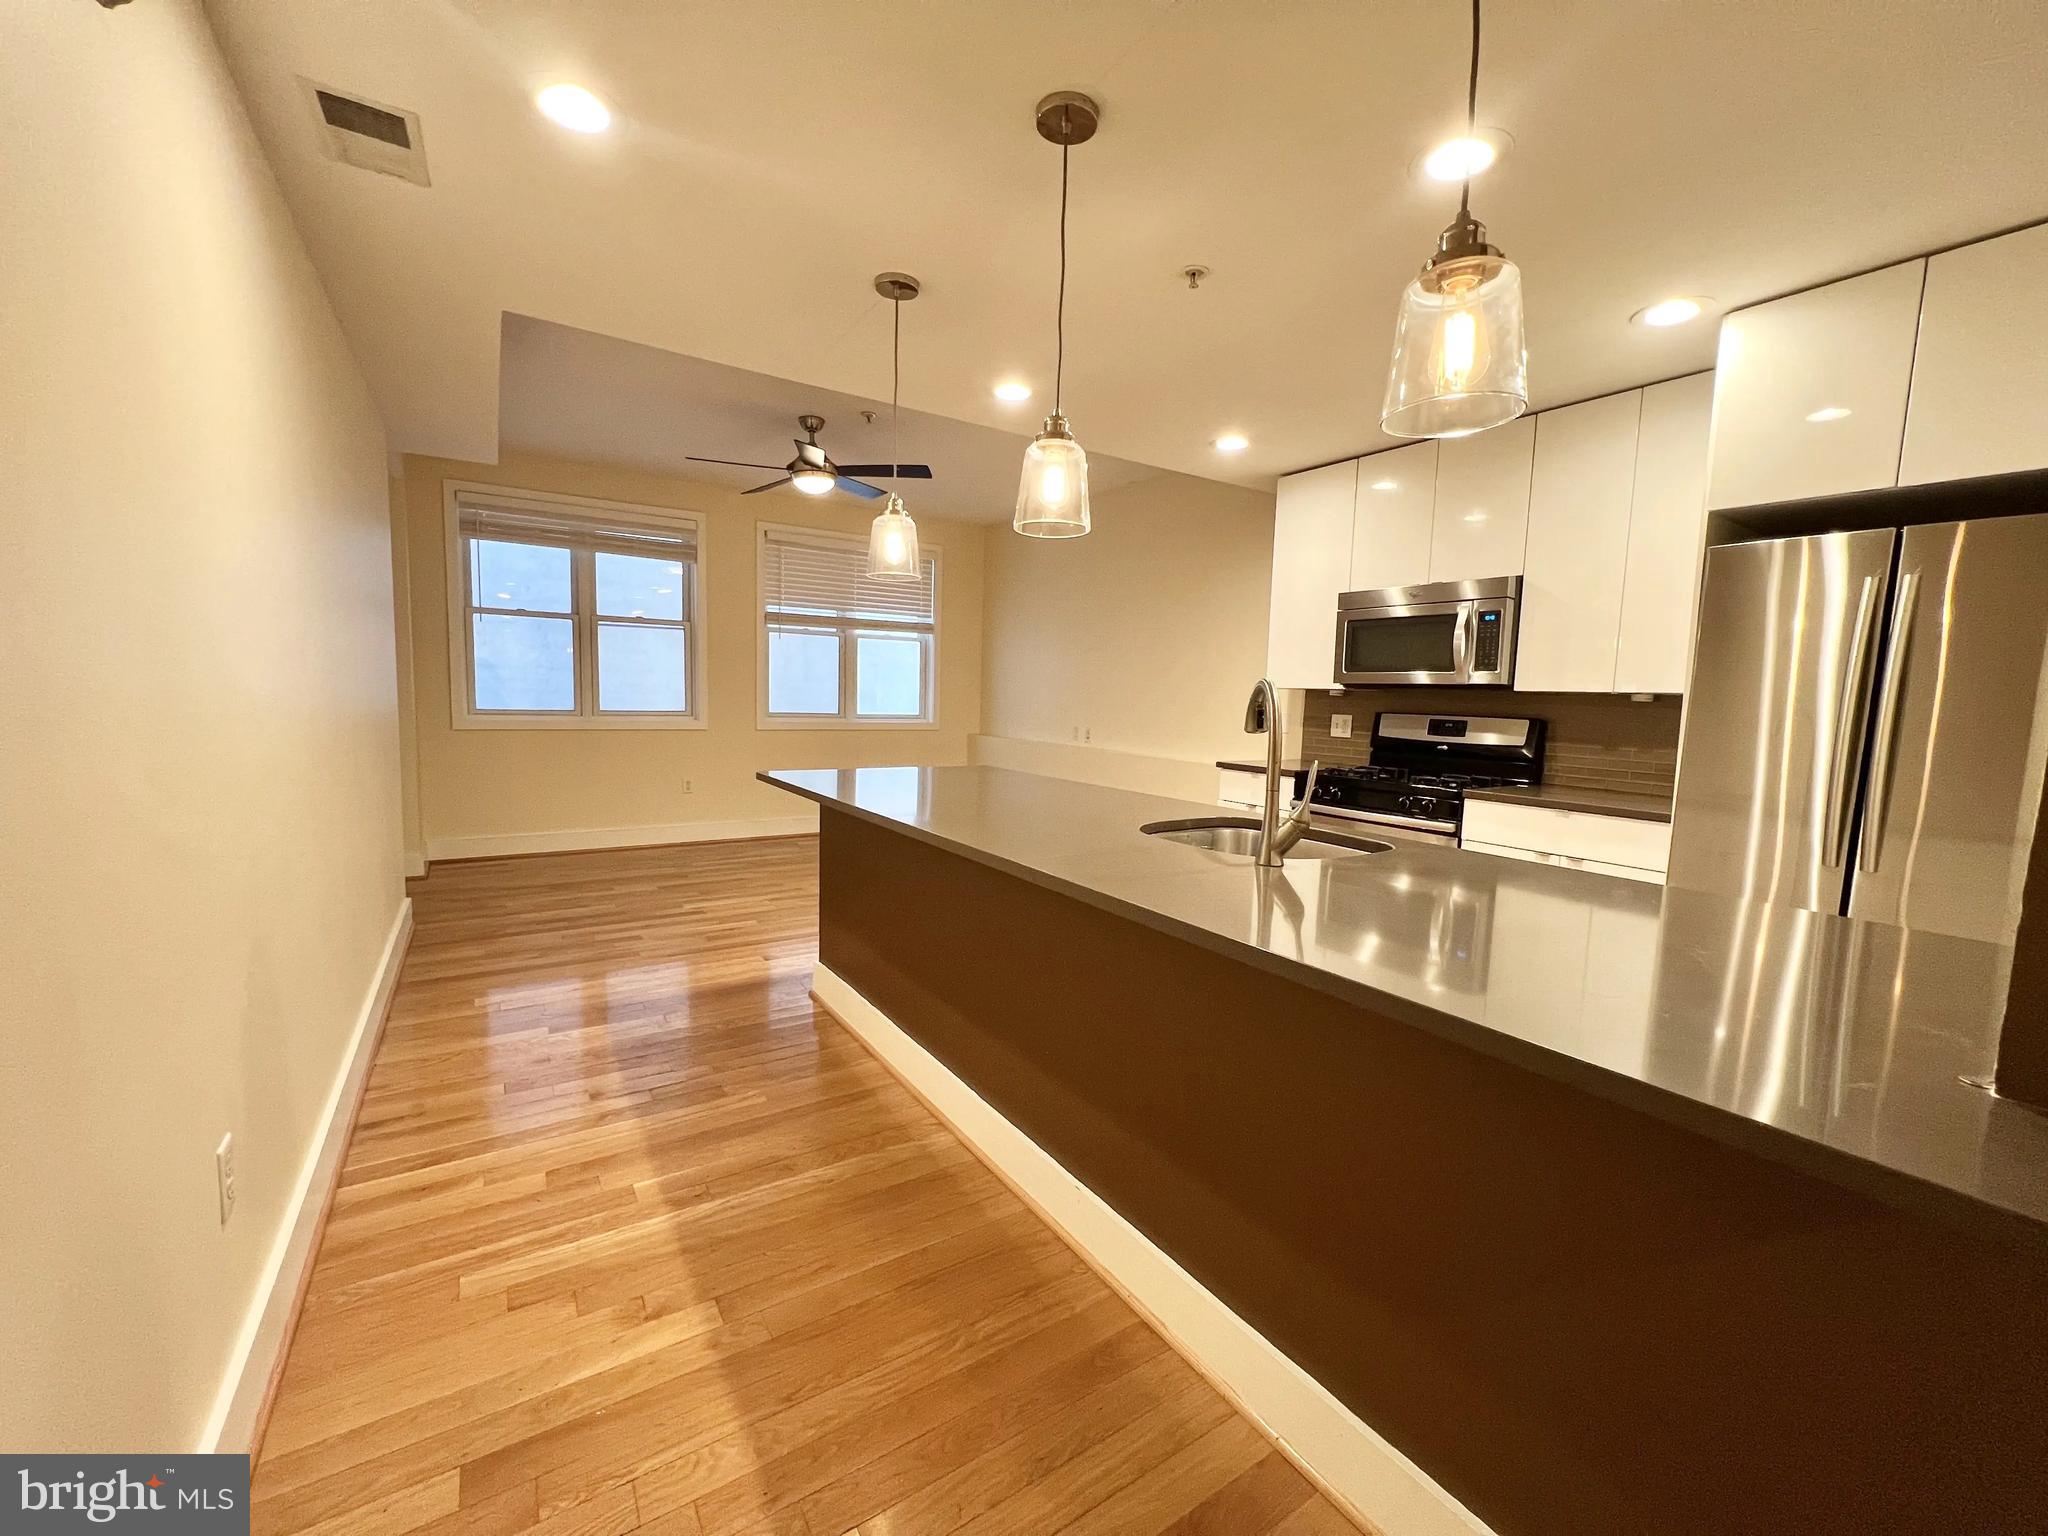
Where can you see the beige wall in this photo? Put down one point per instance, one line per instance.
(1126, 656)
(199, 812)
(494, 791)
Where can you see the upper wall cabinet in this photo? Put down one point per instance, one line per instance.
(1605, 501)
(1578, 546)
(1311, 566)
(1666, 538)
(1390, 536)
(1481, 520)
(1980, 375)
(1810, 391)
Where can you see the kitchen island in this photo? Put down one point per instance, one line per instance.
(1611, 1207)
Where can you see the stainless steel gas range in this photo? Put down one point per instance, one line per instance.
(1421, 766)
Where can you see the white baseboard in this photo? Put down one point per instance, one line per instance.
(498, 845)
(267, 1328)
(1364, 1475)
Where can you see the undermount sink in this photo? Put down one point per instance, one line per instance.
(1239, 836)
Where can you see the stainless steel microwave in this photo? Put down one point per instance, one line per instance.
(1458, 633)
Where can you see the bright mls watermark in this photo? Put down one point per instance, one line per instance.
(172, 1495)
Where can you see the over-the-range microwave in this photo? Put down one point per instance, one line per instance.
(1449, 633)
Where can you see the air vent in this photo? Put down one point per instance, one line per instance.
(369, 134)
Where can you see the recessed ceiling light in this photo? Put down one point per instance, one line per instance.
(574, 108)
(1668, 312)
(1013, 390)
(1828, 413)
(1232, 442)
(1386, 485)
(1466, 155)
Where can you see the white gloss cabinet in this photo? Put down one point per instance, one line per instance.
(1390, 535)
(1481, 516)
(1577, 553)
(1810, 391)
(1980, 373)
(1312, 516)
(1666, 538)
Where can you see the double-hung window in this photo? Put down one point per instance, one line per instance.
(838, 647)
(571, 612)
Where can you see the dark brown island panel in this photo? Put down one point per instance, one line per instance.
(1576, 1315)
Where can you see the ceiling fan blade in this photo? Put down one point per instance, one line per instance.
(771, 485)
(889, 471)
(860, 488)
(810, 453)
(698, 458)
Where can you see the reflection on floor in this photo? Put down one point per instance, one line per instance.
(632, 1237)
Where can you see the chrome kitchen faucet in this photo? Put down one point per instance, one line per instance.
(1276, 836)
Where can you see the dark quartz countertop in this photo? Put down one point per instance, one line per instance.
(1834, 1045)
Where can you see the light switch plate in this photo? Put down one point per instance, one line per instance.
(1340, 726)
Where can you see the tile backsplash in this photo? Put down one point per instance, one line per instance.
(1596, 741)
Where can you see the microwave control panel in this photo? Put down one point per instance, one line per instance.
(1487, 658)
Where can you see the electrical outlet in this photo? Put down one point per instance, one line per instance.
(689, 788)
(1340, 726)
(224, 1175)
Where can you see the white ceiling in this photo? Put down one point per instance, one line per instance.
(574, 394)
(770, 157)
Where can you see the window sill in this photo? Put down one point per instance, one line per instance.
(840, 723)
(465, 722)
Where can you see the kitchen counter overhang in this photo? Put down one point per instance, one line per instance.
(1838, 1046)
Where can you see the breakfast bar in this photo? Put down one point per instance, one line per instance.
(1611, 1208)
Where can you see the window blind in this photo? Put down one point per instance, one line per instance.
(614, 530)
(821, 576)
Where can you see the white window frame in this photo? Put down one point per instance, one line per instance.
(849, 631)
(587, 716)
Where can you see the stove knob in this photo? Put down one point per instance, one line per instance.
(1419, 805)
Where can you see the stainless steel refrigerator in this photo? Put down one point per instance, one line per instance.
(1867, 723)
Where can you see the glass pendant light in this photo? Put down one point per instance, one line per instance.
(1461, 363)
(1052, 493)
(892, 538)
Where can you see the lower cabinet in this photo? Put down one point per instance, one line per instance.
(1541, 834)
(1240, 790)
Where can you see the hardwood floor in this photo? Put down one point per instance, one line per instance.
(631, 1236)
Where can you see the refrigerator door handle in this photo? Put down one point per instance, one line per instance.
(1848, 730)
(1878, 804)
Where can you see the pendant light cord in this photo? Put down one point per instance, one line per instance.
(1471, 112)
(895, 393)
(1059, 366)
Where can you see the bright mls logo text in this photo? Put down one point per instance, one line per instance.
(107, 1497)
(172, 1495)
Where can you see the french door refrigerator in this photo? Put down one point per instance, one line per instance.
(1867, 724)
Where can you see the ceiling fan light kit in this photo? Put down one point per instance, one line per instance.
(1052, 493)
(814, 473)
(1461, 358)
(892, 537)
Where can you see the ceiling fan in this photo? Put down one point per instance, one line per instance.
(814, 474)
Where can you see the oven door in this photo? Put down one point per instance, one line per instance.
(1461, 642)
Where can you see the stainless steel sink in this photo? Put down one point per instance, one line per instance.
(1239, 836)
